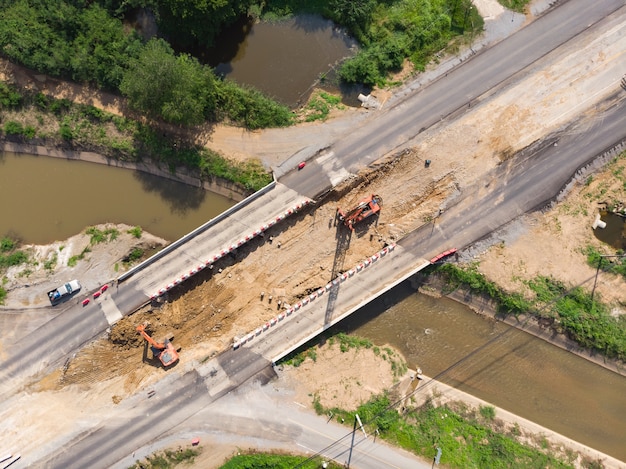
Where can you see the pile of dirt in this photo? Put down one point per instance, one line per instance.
(342, 377)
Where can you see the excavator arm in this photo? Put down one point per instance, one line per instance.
(165, 352)
(142, 330)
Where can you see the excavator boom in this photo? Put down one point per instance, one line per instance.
(165, 352)
(366, 208)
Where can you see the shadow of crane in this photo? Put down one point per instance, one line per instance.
(343, 236)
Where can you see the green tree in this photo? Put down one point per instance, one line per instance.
(197, 22)
(176, 88)
(356, 15)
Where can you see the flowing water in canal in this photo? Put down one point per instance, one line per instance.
(518, 372)
(46, 199)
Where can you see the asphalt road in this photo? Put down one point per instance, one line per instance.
(525, 183)
(390, 128)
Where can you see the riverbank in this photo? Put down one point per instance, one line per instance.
(181, 174)
(488, 308)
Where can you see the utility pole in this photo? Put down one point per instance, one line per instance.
(595, 281)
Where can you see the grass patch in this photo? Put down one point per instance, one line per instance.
(613, 265)
(570, 310)
(134, 255)
(72, 261)
(320, 105)
(135, 231)
(3, 295)
(167, 459)
(275, 461)
(465, 439)
(102, 236)
(51, 263)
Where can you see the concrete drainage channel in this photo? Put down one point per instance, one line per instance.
(289, 310)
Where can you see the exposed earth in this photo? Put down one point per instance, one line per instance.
(211, 310)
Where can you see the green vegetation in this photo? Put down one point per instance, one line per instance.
(515, 5)
(87, 42)
(466, 437)
(570, 310)
(7, 244)
(613, 265)
(181, 90)
(391, 32)
(135, 231)
(72, 261)
(90, 128)
(51, 263)
(345, 342)
(99, 236)
(134, 255)
(10, 255)
(167, 459)
(319, 106)
(275, 461)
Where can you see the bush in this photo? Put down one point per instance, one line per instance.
(9, 97)
(14, 258)
(135, 231)
(13, 128)
(7, 244)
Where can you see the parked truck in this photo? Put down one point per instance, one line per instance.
(64, 291)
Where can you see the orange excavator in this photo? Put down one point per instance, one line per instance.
(165, 352)
(366, 208)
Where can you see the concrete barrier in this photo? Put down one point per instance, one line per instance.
(196, 232)
(309, 298)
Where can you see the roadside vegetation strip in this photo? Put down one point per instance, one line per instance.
(230, 248)
(289, 309)
(569, 310)
(167, 459)
(468, 437)
(277, 461)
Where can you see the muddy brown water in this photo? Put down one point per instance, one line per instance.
(285, 58)
(516, 371)
(49, 199)
(614, 234)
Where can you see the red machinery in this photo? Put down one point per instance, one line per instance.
(366, 208)
(165, 352)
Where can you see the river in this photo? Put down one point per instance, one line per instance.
(516, 371)
(46, 199)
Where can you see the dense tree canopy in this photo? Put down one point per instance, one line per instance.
(58, 38)
(175, 88)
